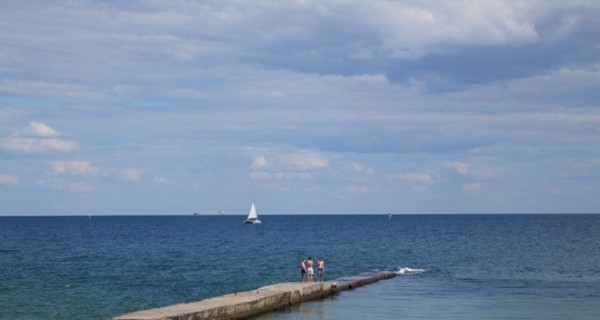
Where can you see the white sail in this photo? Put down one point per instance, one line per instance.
(252, 216)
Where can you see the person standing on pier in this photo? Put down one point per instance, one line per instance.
(303, 270)
(310, 270)
(320, 269)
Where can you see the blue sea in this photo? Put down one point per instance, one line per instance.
(449, 266)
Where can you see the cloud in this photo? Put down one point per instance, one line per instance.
(491, 172)
(293, 175)
(278, 175)
(312, 188)
(330, 93)
(472, 187)
(359, 168)
(304, 160)
(32, 145)
(187, 37)
(289, 166)
(55, 90)
(39, 129)
(74, 168)
(419, 189)
(462, 168)
(417, 177)
(80, 187)
(163, 180)
(357, 189)
(446, 23)
(130, 175)
(76, 186)
(260, 162)
(37, 137)
(260, 175)
(8, 179)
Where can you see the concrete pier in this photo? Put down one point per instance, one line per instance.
(244, 304)
(346, 283)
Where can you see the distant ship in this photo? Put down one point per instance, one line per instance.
(210, 213)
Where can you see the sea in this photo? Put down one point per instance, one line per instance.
(517, 266)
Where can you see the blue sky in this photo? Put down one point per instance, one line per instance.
(303, 107)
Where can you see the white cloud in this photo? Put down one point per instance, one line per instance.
(80, 187)
(131, 175)
(74, 168)
(37, 137)
(260, 162)
(462, 168)
(448, 23)
(31, 145)
(312, 188)
(76, 186)
(293, 175)
(491, 172)
(39, 129)
(472, 187)
(162, 180)
(290, 166)
(419, 189)
(260, 175)
(8, 179)
(304, 160)
(359, 168)
(417, 177)
(280, 175)
(357, 189)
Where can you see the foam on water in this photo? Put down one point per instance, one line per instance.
(406, 270)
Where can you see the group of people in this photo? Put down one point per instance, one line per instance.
(307, 271)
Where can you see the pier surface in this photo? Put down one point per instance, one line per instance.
(244, 304)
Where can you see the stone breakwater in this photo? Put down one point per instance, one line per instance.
(244, 304)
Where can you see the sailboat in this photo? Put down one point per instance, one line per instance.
(252, 216)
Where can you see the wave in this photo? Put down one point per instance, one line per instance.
(10, 251)
(406, 270)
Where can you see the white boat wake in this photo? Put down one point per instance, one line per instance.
(406, 270)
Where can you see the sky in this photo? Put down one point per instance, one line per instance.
(300, 106)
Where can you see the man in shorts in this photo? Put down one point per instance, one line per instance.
(309, 270)
(320, 269)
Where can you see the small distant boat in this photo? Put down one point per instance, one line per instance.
(252, 216)
(390, 216)
(210, 213)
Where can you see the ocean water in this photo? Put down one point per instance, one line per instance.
(450, 266)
